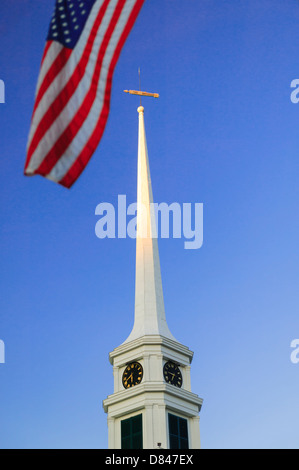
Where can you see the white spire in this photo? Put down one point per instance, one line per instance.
(149, 302)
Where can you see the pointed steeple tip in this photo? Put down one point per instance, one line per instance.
(149, 317)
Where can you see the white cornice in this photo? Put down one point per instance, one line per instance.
(153, 389)
(151, 341)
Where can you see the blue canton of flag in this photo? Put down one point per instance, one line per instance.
(68, 21)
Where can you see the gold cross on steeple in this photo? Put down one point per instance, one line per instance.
(141, 93)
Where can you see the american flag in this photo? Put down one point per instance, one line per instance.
(73, 91)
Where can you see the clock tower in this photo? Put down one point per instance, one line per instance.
(152, 405)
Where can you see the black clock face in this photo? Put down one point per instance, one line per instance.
(132, 375)
(172, 374)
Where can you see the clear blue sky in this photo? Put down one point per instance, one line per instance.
(225, 133)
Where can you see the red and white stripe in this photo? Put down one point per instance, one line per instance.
(73, 93)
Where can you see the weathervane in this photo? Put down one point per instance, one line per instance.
(141, 93)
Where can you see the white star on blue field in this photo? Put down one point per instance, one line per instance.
(68, 21)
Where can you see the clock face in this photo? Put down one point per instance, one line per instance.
(172, 374)
(132, 375)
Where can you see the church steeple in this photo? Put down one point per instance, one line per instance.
(152, 405)
(149, 302)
